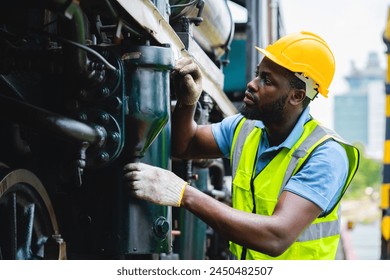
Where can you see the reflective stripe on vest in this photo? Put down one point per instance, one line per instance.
(244, 127)
(320, 230)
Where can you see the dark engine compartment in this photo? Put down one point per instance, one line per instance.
(85, 89)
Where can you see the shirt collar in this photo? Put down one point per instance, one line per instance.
(295, 133)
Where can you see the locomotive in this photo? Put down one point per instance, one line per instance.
(85, 89)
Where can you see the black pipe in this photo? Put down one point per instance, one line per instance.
(73, 38)
(217, 172)
(75, 30)
(67, 129)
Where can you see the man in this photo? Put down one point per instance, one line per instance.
(289, 172)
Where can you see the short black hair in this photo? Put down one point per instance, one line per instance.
(297, 83)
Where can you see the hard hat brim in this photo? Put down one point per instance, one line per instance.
(270, 56)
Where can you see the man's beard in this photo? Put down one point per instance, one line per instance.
(270, 114)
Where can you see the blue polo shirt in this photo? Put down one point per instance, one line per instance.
(321, 179)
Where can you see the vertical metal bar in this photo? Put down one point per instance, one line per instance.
(385, 190)
(14, 228)
(254, 35)
(270, 22)
(26, 219)
(280, 27)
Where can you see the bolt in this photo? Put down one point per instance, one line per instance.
(105, 92)
(161, 227)
(115, 137)
(104, 118)
(83, 117)
(83, 93)
(104, 156)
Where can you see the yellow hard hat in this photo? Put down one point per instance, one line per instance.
(305, 53)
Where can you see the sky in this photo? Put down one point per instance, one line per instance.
(352, 28)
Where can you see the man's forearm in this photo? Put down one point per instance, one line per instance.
(251, 230)
(183, 129)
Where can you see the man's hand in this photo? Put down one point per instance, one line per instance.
(154, 184)
(187, 80)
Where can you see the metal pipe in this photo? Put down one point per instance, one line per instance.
(146, 13)
(217, 172)
(215, 33)
(68, 129)
(254, 34)
(74, 30)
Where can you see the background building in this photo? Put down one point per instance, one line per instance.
(359, 113)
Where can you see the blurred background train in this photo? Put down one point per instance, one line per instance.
(85, 89)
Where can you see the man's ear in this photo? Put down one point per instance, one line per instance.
(297, 96)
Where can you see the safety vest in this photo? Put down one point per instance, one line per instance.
(259, 194)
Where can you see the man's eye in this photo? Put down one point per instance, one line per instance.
(265, 81)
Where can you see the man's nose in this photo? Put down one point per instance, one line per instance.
(255, 85)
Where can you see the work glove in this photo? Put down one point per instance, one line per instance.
(154, 184)
(187, 81)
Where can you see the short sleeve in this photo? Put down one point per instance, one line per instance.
(322, 178)
(224, 131)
